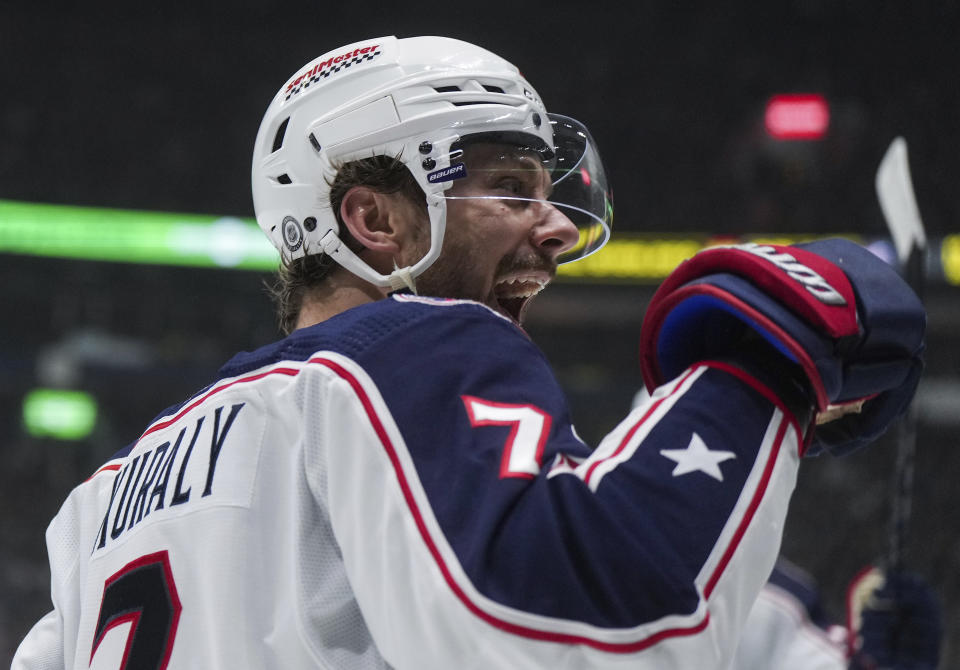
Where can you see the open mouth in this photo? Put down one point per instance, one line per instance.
(514, 293)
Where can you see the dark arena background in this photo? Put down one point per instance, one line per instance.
(117, 122)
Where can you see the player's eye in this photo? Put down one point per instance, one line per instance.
(511, 185)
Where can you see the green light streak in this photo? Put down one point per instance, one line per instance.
(131, 236)
(128, 236)
(63, 415)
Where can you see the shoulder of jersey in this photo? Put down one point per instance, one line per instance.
(402, 323)
(355, 331)
(401, 318)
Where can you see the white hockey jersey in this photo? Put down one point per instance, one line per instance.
(400, 486)
(787, 629)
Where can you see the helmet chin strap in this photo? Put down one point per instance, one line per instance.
(400, 278)
(397, 280)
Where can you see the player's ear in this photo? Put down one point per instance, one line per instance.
(379, 221)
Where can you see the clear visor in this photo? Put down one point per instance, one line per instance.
(564, 184)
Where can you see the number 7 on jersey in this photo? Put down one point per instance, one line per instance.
(530, 426)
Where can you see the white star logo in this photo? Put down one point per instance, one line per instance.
(697, 457)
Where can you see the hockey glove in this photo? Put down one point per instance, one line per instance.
(841, 315)
(897, 623)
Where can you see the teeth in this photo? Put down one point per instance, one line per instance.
(520, 287)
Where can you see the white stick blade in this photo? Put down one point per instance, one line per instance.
(895, 192)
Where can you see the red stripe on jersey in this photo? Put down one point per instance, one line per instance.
(633, 429)
(789, 419)
(516, 629)
(760, 388)
(105, 468)
(751, 510)
(292, 372)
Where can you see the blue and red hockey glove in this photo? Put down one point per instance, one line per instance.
(838, 317)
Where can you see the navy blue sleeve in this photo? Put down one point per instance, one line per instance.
(641, 528)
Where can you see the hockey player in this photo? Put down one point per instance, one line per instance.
(397, 483)
(893, 621)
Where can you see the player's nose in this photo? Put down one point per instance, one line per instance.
(553, 233)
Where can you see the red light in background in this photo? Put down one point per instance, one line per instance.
(797, 117)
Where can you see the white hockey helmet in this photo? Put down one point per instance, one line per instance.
(414, 99)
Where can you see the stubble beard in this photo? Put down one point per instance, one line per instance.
(458, 274)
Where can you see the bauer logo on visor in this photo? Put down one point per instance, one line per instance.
(448, 174)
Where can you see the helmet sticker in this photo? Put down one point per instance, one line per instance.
(331, 66)
(457, 171)
(292, 233)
